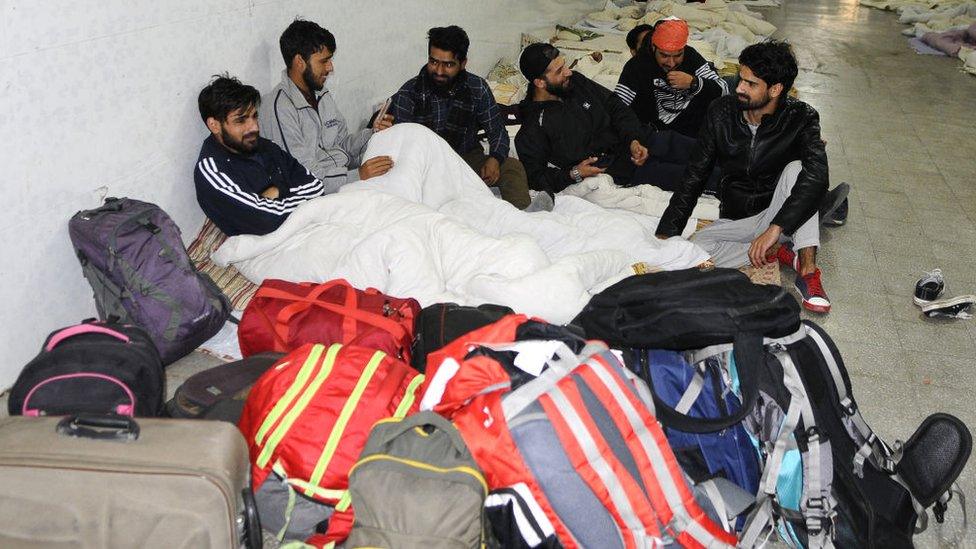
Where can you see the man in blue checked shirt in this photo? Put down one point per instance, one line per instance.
(456, 104)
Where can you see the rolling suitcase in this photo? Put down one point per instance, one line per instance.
(92, 481)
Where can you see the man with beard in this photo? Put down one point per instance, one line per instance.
(456, 104)
(670, 86)
(301, 116)
(774, 174)
(572, 127)
(245, 183)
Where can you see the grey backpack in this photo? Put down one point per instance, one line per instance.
(417, 486)
(133, 256)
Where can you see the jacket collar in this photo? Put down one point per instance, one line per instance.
(297, 97)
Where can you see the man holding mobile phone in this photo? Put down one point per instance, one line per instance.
(456, 105)
(301, 117)
(572, 127)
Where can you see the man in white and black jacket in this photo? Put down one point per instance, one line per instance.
(245, 183)
(573, 128)
(669, 85)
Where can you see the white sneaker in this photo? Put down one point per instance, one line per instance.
(954, 307)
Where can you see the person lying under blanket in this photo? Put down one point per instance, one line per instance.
(245, 183)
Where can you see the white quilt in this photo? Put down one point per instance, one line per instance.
(642, 199)
(430, 229)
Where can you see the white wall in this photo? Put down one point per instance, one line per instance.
(98, 98)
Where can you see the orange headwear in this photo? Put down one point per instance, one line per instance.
(670, 34)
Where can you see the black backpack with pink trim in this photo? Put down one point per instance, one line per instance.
(92, 367)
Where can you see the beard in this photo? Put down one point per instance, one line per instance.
(246, 145)
(309, 77)
(745, 104)
(559, 91)
(441, 86)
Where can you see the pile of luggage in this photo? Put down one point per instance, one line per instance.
(685, 408)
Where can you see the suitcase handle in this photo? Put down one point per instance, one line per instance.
(99, 427)
(83, 329)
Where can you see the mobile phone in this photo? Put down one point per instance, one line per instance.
(604, 160)
(381, 114)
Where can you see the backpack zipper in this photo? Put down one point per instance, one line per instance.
(425, 466)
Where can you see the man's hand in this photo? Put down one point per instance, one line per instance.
(638, 153)
(587, 169)
(271, 192)
(490, 171)
(383, 122)
(680, 80)
(376, 166)
(761, 245)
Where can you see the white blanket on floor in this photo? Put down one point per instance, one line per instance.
(642, 199)
(430, 229)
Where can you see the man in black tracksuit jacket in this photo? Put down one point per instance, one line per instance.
(670, 86)
(774, 174)
(572, 127)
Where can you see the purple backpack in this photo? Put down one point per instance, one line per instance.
(133, 256)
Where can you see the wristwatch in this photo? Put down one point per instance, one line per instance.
(576, 175)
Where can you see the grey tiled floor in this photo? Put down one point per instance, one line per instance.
(901, 129)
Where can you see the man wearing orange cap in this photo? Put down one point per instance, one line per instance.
(669, 85)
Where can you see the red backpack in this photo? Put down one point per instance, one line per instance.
(283, 316)
(572, 451)
(308, 417)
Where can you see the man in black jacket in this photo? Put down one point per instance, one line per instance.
(774, 174)
(572, 127)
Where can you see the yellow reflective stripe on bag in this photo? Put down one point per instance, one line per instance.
(285, 401)
(299, 406)
(340, 425)
(409, 397)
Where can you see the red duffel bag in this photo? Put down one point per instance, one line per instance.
(283, 316)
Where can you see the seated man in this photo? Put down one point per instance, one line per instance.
(572, 127)
(245, 183)
(774, 174)
(300, 115)
(635, 37)
(456, 104)
(670, 86)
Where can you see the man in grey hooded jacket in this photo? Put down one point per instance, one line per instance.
(301, 116)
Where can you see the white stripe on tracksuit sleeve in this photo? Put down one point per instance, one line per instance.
(625, 94)
(222, 183)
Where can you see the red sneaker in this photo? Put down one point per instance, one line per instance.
(787, 257)
(812, 291)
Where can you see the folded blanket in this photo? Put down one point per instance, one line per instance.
(950, 42)
(431, 229)
(641, 199)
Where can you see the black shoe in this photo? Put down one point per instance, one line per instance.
(929, 288)
(839, 217)
(834, 202)
(954, 307)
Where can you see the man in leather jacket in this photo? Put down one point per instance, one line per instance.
(774, 174)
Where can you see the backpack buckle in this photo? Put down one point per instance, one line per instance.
(814, 434)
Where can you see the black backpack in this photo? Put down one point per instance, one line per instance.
(219, 393)
(97, 367)
(694, 309)
(441, 323)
